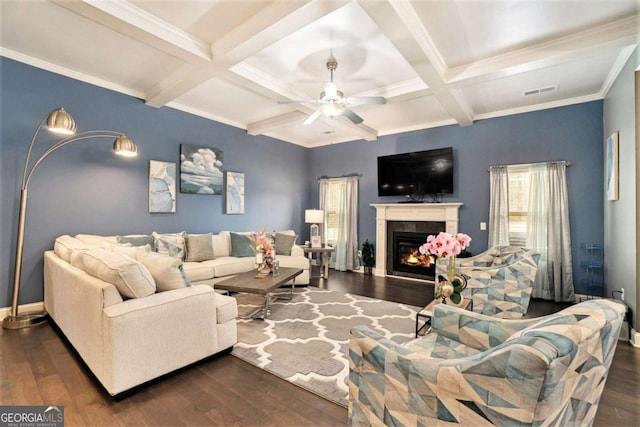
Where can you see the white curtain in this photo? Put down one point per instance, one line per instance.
(346, 245)
(498, 206)
(538, 213)
(548, 232)
(559, 235)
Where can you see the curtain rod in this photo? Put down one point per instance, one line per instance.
(329, 178)
(530, 164)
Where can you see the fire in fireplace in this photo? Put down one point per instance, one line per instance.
(407, 259)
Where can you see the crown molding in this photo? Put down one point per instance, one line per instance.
(68, 72)
(543, 106)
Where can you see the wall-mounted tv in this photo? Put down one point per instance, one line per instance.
(416, 174)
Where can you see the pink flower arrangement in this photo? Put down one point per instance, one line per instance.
(261, 243)
(445, 245)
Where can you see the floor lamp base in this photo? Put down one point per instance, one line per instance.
(24, 320)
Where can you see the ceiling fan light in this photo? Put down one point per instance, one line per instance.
(125, 147)
(59, 121)
(332, 110)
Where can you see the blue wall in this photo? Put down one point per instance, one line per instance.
(572, 133)
(84, 188)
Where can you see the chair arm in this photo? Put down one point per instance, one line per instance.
(297, 251)
(474, 329)
(389, 385)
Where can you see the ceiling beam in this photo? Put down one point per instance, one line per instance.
(267, 125)
(132, 21)
(594, 41)
(271, 24)
(401, 24)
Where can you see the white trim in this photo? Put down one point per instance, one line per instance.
(537, 107)
(68, 72)
(447, 212)
(616, 69)
(22, 309)
(635, 338)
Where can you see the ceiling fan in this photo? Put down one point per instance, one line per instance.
(332, 102)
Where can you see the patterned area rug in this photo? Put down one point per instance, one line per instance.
(306, 340)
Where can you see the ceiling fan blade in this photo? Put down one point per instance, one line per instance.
(359, 100)
(312, 118)
(299, 101)
(356, 119)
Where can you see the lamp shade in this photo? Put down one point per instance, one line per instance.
(125, 147)
(313, 216)
(59, 121)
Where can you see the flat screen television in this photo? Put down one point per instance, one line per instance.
(416, 174)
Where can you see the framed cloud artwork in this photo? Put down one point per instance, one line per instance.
(162, 187)
(234, 192)
(200, 170)
(611, 158)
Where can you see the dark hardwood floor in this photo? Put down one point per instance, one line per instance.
(38, 367)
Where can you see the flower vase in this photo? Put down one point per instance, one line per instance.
(451, 268)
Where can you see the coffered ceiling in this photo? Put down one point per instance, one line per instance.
(436, 62)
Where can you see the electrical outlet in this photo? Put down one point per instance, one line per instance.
(622, 294)
(483, 226)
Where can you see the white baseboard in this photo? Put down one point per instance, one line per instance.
(34, 306)
(635, 338)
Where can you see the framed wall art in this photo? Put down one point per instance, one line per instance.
(234, 193)
(162, 187)
(612, 178)
(200, 170)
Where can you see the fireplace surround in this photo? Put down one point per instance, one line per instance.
(388, 215)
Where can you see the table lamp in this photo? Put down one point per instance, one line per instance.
(314, 217)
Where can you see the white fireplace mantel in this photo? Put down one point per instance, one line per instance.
(443, 212)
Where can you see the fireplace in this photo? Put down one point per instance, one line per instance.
(422, 218)
(403, 240)
(407, 259)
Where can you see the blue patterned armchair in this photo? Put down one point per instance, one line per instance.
(477, 370)
(499, 280)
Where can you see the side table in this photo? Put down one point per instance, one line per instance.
(427, 313)
(323, 258)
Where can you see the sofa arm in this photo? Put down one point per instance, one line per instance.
(297, 251)
(148, 337)
(474, 329)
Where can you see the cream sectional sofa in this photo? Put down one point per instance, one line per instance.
(132, 324)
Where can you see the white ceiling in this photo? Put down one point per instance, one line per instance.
(437, 62)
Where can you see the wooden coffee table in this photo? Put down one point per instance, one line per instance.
(251, 283)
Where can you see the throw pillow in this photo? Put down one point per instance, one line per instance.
(171, 244)
(221, 244)
(76, 258)
(130, 277)
(125, 249)
(241, 245)
(64, 245)
(284, 243)
(166, 271)
(199, 247)
(136, 239)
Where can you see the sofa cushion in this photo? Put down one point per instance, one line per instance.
(199, 247)
(132, 279)
(232, 265)
(64, 245)
(136, 239)
(241, 245)
(125, 249)
(226, 309)
(166, 271)
(221, 244)
(197, 271)
(94, 240)
(76, 258)
(171, 244)
(284, 243)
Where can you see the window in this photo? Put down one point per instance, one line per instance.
(518, 204)
(331, 208)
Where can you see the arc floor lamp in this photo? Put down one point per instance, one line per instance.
(60, 122)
